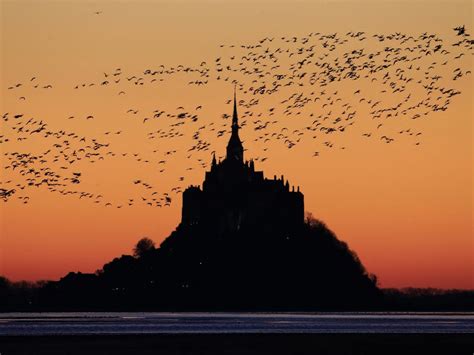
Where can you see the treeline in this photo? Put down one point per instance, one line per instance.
(19, 295)
(429, 299)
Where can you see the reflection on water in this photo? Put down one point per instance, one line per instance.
(150, 323)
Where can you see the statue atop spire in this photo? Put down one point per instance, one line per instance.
(235, 150)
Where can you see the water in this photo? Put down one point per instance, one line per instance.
(96, 323)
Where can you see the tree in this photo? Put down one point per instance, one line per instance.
(143, 246)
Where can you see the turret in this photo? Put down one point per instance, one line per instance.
(214, 162)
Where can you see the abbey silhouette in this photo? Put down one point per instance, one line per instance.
(243, 244)
(234, 194)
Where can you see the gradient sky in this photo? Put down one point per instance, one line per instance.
(406, 210)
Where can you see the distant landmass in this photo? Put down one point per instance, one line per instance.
(244, 243)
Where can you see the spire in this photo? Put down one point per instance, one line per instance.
(235, 119)
(235, 150)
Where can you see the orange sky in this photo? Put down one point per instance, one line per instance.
(405, 209)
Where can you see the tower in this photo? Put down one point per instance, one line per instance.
(235, 150)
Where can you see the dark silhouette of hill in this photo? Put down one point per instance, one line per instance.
(264, 268)
(308, 270)
(253, 269)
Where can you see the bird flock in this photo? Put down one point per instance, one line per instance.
(321, 89)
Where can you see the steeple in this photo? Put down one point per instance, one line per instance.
(235, 119)
(235, 150)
